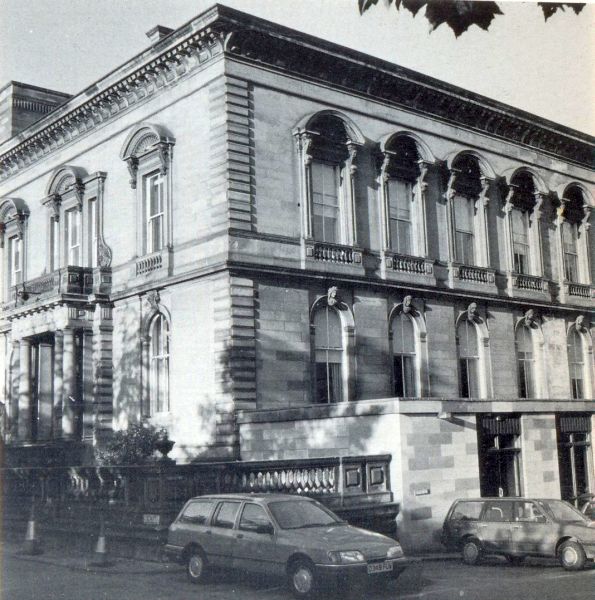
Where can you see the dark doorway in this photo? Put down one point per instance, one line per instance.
(574, 443)
(499, 455)
(42, 387)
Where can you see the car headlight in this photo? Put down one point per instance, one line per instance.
(346, 557)
(394, 552)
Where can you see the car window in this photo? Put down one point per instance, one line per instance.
(197, 512)
(226, 514)
(295, 514)
(467, 511)
(498, 511)
(563, 512)
(252, 517)
(527, 512)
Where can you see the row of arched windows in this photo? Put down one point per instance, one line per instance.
(331, 147)
(331, 358)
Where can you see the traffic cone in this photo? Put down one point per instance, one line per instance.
(100, 559)
(31, 545)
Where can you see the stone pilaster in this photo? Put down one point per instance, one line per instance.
(102, 394)
(68, 384)
(24, 406)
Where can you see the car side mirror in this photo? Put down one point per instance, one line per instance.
(265, 528)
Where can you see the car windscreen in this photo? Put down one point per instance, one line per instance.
(563, 512)
(295, 514)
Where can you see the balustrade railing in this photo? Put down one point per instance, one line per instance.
(66, 280)
(149, 263)
(472, 274)
(579, 289)
(408, 264)
(529, 282)
(333, 253)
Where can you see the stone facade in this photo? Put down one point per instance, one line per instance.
(210, 240)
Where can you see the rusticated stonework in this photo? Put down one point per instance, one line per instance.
(224, 30)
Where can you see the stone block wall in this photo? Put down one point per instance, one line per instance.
(541, 474)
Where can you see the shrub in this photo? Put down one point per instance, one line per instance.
(133, 446)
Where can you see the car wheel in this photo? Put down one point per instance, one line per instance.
(471, 552)
(572, 556)
(515, 561)
(301, 579)
(196, 566)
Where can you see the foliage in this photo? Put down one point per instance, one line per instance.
(133, 446)
(459, 15)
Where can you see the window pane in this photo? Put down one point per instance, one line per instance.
(463, 213)
(467, 340)
(325, 198)
(327, 328)
(569, 245)
(399, 209)
(575, 364)
(253, 516)
(226, 515)
(525, 362)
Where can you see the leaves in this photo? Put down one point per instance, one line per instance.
(459, 15)
(550, 8)
(133, 446)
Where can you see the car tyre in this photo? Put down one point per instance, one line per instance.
(301, 579)
(471, 551)
(196, 565)
(515, 561)
(572, 556)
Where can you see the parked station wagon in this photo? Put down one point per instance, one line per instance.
(285, 535)
(520, 527)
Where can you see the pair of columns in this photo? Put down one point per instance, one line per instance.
(56, 388)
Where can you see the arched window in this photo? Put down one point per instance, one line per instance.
(159, 365)
(525, 354)
(13, 216)
(574, 231)
(328, 146)
(576, 365)
(148, 156)
(468, 352)
(328, 351)
(520, 241)
(404, 357)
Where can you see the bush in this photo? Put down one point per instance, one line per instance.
(133, 446)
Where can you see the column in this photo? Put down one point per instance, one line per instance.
(482, 222)
(13, 382)
(88, 400)
(449, 196)
(351, 165)
(69, 384)
(536, 247)
(58, 382)
(44, 391)
(24, 405)
(422, 227)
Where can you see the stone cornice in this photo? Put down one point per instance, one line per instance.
(250, 39)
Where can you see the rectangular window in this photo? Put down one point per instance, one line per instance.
(73, 237)
(15, 249)
(93, 232)
(464, 212)
(154, 212)
(325, 200)
(569, 247)
(328, 381)
(399, 216)
(525, 368)
(520, 241)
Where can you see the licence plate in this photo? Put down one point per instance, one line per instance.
(382, 567)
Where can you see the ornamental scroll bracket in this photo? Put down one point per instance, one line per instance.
(305, 140)
(52, 202)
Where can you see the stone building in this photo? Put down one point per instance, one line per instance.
(279, 248)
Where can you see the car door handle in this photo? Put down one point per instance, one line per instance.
(240, 536)
(516, 527)
(482, 525)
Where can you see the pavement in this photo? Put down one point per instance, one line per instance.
(123, 566)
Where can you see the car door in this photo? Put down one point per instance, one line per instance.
(530, 529)
(221, 533)
(495, 526)
(192, 525)
(256, 548)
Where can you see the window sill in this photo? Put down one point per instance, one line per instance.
(531, 287)
(472, 278)
(327, 257)
(152, 266)
(407, 268)
(578, 294)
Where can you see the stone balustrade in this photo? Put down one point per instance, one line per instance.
(149, 263)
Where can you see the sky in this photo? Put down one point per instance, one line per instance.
(545, 68)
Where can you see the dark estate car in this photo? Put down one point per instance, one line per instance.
(520, 527)
(290, 536)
